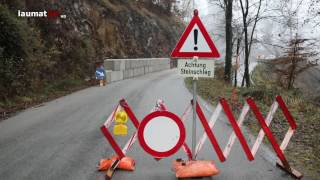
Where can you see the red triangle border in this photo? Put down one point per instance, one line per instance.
(214, 51)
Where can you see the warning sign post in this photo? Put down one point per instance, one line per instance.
(195, 43)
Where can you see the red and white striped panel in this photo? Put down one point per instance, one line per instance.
(236, 125)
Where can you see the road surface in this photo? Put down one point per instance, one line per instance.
(61, 139)
(309, 81)
(241, 70)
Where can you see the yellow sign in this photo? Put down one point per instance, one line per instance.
(120, 128)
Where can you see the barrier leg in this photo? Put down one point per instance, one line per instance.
(296, 174)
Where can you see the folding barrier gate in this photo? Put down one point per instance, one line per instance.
(236, 125)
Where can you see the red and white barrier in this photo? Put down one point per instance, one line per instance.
(250, 105)
(208, 134)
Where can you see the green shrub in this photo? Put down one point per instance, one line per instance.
(13, 54)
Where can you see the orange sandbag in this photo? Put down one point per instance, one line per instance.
(104, 164)
(126, 163)
(191, 169)
(177, 164)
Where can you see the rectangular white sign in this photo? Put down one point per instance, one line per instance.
(196, 68)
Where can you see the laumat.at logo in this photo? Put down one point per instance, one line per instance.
(41, 14)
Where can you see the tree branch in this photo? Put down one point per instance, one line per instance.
(254, 26)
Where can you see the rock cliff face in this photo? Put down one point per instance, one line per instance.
(133, 30)
(117, 28)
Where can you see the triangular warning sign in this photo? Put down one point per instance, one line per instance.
(195, 41)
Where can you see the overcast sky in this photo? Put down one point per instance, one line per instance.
(202, 6)
(212, 17)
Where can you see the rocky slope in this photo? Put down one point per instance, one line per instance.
(44, 55)
(117, 28)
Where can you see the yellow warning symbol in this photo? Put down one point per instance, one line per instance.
(120, 128)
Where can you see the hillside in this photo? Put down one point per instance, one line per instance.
(44, 55)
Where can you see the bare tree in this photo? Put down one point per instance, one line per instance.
(248, 36)
(297, 59)
(228, 33)
(227, 7)
(314, 12)
(300, 52)
(239, 48)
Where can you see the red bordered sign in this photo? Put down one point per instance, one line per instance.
(153, 116)
(195, 41)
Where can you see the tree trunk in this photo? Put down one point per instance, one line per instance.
(235, 77)
(248, 43)
(294, 64)
(291, 76)
(237, 63)
(228, 31)
(246, 60)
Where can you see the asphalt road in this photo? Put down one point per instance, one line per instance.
(61, 139)
(309, 81)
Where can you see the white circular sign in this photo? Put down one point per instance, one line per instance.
(161, 134)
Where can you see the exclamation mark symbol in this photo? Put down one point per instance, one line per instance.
(195, 33)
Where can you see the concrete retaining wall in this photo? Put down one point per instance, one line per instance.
(119, 69)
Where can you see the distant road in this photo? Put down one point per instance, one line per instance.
(240, 72)
(62, 139)
(309, 81)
